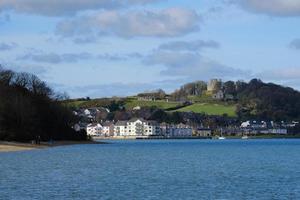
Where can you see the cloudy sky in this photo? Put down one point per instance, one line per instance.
(102, 48)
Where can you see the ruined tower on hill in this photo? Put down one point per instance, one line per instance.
(214, 85)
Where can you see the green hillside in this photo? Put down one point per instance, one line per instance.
(202, 105)
(159, 104)
(210, 109)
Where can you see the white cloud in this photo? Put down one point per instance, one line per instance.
(7, 46)
(271, 7)
(192, 66)
(163, 23)
(291, 73)
(66, 7)
(33, 69)
(54, 58)
(189, 46)
(289, 76)
(118, 89)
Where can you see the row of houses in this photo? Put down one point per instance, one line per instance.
(90, 114)
(136, 128)
(253, 127)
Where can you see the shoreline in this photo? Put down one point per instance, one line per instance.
(19, 146)
(196, 137)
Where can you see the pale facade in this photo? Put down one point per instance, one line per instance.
(214, 85)
(94, 130)
(136, 127)
(180, 130)
(108, 129)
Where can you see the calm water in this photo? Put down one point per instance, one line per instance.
(160, 169)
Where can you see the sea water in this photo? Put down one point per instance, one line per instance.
(155, 169)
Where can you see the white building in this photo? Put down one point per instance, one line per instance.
(136, 127)
(94, 129)
(108, 129)
(120, 128)
(87, 112)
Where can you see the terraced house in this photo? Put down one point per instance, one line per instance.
(136, 127)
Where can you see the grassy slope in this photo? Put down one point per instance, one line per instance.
(160, 104)
(210, 109)
(203, 104)
(75, 104)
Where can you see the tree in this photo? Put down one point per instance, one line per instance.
(229, 88)
(28, 109)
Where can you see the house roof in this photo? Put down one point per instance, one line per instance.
(107, 123)
(136, 119)
(152, 122)
(121, 123)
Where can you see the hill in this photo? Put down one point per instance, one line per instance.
(255, 99)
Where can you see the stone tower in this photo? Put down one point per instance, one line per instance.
(214, 85)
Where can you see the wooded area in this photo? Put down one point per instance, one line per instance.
(30, 109)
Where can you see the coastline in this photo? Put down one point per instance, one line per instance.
(19, 146)
(267, 136)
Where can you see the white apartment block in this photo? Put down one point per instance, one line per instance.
(94, 129)
(136, 127)
(108, 129)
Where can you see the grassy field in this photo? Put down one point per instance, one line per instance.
(159, 104)
(210, 109)
(75, 104)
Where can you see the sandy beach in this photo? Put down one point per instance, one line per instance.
(16, 146)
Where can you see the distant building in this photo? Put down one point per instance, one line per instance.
(80, 126)
(108, 129)
(263, 127)
(180, 130)
(152, 96)
(136, 127)
(120, 128)
(279, 131)
(229, 97)
(94, 130)
(203, 132)
(137, 108)
(219, 95)
(214, 85)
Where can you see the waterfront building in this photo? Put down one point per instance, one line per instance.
(120, 128)
(108, 129)
(203, 132)
(180, 130)
(94, 129)
(136, 127)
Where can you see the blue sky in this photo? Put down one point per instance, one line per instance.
(103, 48)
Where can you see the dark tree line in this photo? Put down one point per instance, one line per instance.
(269, 101)
(30, 109)
(256, 99)
(189, 89)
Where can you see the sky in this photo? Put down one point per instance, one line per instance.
(104, 48)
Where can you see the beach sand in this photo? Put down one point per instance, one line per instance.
(16, 146)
